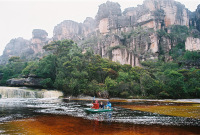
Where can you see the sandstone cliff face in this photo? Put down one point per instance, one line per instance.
(174, 12)
(192, 44)
(14, 48)
(108, 9)
(39, 34)
(39, 39)
(72, 30)
(127, 37)
(142, 43)
(156, 14)
(105, 15)
(67, 30)
(88, 26)
(197, 15)
(153, 14)
(26, 49)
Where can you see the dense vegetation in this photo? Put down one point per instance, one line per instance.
(75, 73)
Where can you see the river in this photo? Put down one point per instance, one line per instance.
(63, 116)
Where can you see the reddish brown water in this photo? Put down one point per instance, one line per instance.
(67, 125)
(58, 117)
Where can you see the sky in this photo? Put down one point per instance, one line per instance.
(19, 17)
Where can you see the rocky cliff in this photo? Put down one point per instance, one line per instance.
(193, 40)
(72, 30)
(26, 49)
(129, 37)
(39, 39)
(197, 18)
(192, 44)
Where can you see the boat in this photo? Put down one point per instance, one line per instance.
(98, 110)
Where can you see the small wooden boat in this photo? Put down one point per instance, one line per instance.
(98, 110)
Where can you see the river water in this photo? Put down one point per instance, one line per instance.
(63, 116)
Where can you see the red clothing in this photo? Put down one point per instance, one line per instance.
(95, 105)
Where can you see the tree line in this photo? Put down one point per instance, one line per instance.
(70, 70)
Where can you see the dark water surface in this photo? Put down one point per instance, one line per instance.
(60, 116)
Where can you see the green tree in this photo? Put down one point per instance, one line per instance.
(111, 86)
(11, 70)
(192, 56)
(14, 59)
(192, 85)
(175, 84)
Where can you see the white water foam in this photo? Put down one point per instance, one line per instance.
(20, 92)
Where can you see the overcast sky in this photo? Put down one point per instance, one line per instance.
(19, 17)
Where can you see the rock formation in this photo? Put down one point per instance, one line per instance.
(15, 47)
(29, 81)
(39, 39)
(26, 49)
(127, 37)
(197, 18)
(72, 30)
(192, 44)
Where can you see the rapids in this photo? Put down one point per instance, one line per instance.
(20, 92)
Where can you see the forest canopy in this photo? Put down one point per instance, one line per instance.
(75, 73)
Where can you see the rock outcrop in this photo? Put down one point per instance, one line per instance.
(197, 17)
(67, 30)
(192, 44)
(127, 37)
(15, 47)
(30, 82)
(107, 13)
(158, 14)
(72, 30)
(39, 39)
(26, 49)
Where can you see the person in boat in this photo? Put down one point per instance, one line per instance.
(95, 105)
(94, 99)
(108, 105)
(101, 106)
